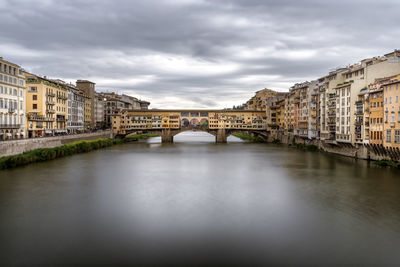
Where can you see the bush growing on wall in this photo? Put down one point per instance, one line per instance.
(44, 154)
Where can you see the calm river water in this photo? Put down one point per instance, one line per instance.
(199, 202)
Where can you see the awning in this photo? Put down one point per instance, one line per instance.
(8, 134)
(48, 131)
(23, 133)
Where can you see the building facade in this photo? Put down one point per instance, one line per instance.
(99, 111)
(46, 106)
(12, 101)
(391, 127)
(76, 105)
(88, 88)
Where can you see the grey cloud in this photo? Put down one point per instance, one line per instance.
(286, 41)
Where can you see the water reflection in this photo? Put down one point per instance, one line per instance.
(201, 202)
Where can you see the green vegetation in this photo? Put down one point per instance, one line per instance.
(140, 136)
(305, 147)
(276, 141)
(388, 163)
(249, 138)
(44, 154)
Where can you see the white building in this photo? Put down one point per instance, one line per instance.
(75, 114)
(12, 101)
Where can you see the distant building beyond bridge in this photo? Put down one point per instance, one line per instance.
(167, 123)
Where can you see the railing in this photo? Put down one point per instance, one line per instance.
(51, 94)
(39, 118)
(11, 110)
(359, 103)
(10, 126)
(50, 102)
(51, 111)
(332, 114)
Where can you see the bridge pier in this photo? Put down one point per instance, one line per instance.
(166, 136)
(221, 137)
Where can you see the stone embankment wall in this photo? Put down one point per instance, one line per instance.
(14, 147)
(359, 151)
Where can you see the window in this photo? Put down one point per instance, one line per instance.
(397, 136)
(34, 97)
(34, 106)
(389, 136)
(32, 89)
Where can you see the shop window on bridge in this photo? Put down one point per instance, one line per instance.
(184, 114)
(194, 114)
(203, 114)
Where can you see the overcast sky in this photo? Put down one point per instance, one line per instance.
(194, 53)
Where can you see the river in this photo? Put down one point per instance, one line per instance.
(199, 202)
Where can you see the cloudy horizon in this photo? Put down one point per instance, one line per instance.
(194, 53)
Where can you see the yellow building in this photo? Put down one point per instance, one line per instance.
(88, 119)
(391, 126)
(46, 106)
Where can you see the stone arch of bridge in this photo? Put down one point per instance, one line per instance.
(221, 135)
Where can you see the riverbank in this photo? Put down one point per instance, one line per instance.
(136, 137)
(45, 154)
(15, 147)
(380, 156)
(249, 138)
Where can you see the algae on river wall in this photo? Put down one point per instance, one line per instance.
(249, 137)
(44, 154)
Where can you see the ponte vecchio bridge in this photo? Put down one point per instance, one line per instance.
(167, 123)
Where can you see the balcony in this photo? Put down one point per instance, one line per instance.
(50, 111)
(359, 112)
(332, 114)
(39, 118)
(51, 94)
(61, 119)
(62, 97)
(359, 103)
(50, 102)
(10, 126)
(11, 110)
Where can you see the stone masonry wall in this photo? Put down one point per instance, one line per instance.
(14, 147)
(359, 151)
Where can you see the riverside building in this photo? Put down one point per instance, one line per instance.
(391, 129)
(88, 88)
(99, 111)
(12, 101)
(46, 106)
